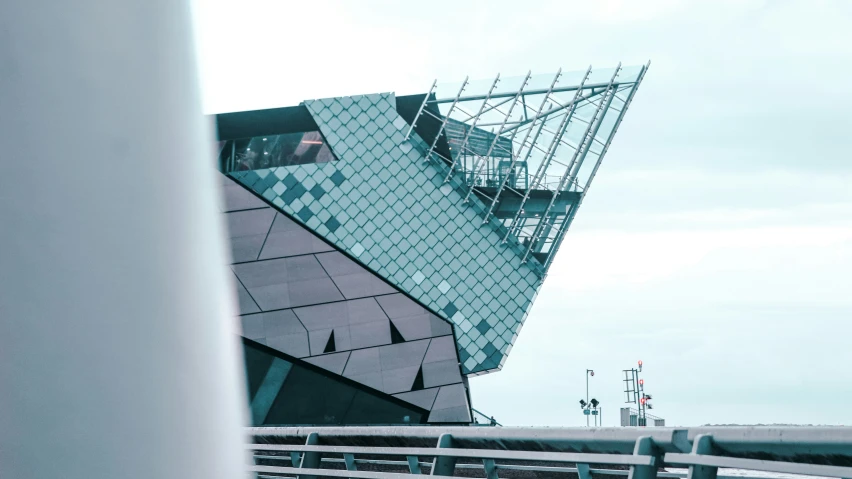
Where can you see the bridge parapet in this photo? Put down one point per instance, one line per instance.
(638, 453)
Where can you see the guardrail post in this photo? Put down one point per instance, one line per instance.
(644, 447)
(349, 459)
(310, 459)
(444, 465)
(680, 440)
(703, 444)
(490, 468)
(413, 464)
(583, 471)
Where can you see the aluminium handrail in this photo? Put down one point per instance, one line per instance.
(782, 467)
(588, 458)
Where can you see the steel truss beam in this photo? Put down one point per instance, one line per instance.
(542, 167)
(444, 122)
(567, 224)
(493, 107)
(420, 111)
(520, 149)
(479, 160)
(472, 127)
(563, 107)
(577, 161)
(531, 92)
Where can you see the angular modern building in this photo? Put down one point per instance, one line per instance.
(385, 247)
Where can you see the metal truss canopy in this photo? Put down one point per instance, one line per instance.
(529, 147)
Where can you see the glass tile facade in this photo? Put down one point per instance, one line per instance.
(384, 205)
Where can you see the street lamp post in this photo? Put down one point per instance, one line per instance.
(589, 372)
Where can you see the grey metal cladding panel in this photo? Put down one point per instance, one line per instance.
(291, 243)
(342, 340)
(342, 313)
(337, 264)
(353, 280)
(238, 198)
(403, 355)
(422, 324)
(441, 349)
(283, 223)
(278, 323)
(363, 361)
(399, 379)
(252, 326)
(301, 268)
(365, 310)
(262, 273)
(313, 291)
(439, 326)
(318, 339)
(414, 327)
(332, 362)
(292, 344)
(247, 231)
(324, 316)
(365, 335)
(361, 285)
(246, 248)
(423, 398)
(373, 380)
(249, 223)
(273, 296)
(450, 396)
(458, 414)
(247, 304)
(441, 372)
(400, 306)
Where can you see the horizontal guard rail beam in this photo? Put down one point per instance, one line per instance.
(515, 467)
(758, 465)
(620, 459)
(298, 471)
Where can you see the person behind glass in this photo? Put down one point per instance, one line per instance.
(254, 157)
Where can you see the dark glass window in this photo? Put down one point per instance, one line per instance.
(273, 151)
(286, 391)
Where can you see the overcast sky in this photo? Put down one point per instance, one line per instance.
(716, 241)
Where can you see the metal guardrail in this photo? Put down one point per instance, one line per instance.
(471, 452)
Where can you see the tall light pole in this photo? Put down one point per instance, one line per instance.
(589, 373)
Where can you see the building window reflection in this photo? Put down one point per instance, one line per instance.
(273, 151)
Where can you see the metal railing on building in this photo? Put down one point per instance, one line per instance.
(482, 419)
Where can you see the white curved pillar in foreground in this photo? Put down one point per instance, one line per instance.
(116, 356)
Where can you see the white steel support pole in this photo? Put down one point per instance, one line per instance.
(117, 352)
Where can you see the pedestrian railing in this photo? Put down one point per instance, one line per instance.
(398, 452)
